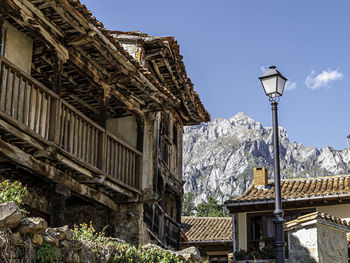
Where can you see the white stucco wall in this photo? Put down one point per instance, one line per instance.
(18, 47)
(242, 231)
(124, 128)
(302, 245)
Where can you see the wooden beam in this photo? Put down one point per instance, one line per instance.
(65, 14)
(45, 170)
(28, 16)
(88, 69)
(85, 104)
(20, 134)
(156, 68)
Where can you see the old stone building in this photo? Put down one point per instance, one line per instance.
(92, 120)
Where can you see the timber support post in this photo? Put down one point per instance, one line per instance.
(58, 205)
(102, 140)
(55, 125)
(57, 73)
(2, 36)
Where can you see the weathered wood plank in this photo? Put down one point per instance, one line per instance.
(42, 169)
(20, 134)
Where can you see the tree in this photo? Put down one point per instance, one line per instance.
(210, 209)
(188, 207)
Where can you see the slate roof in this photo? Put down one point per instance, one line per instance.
(292, 189)
(207, 229)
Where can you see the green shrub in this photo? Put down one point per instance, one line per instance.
(88, 233)
(13, 191)
(47, 253)
(126, 253)
(122, 252)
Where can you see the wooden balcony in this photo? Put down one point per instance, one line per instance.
(80, 145)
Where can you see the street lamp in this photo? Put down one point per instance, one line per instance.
(273, 83)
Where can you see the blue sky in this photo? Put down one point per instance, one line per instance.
(227, 43)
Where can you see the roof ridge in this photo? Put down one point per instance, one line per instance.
(309, 178)
(315, 215)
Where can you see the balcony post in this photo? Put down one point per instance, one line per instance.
(57, 73)
(2, 20)
(102, 140)
(58, 204)
(55, 124)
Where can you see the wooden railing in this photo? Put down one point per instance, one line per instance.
(24, 99)
(38, 108)
(122, 162)
(79, 135)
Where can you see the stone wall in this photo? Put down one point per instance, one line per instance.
(331, 244)
(317, 238)
(78, 211)
(130, 225)
(26, 239)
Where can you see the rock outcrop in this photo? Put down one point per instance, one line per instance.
(10, 216)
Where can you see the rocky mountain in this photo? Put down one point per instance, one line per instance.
(219, 157)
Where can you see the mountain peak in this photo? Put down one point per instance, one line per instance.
(243, 120)
(219, 157)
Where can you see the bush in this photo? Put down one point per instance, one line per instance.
(210, 209)
(87, 232)
(98, 244)
(13, 191)
(47, 253)
(128, 253)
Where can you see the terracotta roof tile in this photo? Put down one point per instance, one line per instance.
(299, 188)
(317, 215)
(207, 228)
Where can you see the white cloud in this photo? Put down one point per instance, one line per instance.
(263, 69)
(290, 85)
(323, 79)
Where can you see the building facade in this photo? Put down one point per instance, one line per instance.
(92, 120)
(253, 210)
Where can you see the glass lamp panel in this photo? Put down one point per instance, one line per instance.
(280, 86)
(269, 85)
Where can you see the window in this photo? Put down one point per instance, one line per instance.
(261, 230)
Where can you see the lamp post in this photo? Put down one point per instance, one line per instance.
(273, 83)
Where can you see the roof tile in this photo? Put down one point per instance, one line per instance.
(298, 188)
(207, 228)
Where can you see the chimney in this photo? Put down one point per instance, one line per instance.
(260, 176)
